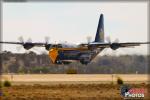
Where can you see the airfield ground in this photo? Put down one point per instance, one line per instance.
(67, 92)
(70, 87)
(74, 78)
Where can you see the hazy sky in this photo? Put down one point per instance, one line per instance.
(74, 21)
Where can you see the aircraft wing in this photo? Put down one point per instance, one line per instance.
(115, 46)
(29, 45)
(22, 43)
(11, 42)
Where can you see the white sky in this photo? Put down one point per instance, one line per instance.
(74, 21)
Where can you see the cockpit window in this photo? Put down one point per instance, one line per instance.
(69, 46)
(64, 46)
(59, 46)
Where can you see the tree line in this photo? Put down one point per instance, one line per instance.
(35, 63)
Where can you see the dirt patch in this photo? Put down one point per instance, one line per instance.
(66, 92)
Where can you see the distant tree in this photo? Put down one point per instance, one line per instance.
(13, 68)
(26, 62)
(39, 70)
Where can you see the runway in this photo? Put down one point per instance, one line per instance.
(74, 78)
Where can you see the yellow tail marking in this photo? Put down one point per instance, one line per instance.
(53, 53)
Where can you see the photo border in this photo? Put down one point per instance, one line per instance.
(24, 1)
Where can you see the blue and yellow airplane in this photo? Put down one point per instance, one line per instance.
(84, 53)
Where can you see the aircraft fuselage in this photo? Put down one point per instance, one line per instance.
(67, 55)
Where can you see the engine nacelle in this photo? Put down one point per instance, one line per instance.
(47, 47)
(114, 46)
(28, 46)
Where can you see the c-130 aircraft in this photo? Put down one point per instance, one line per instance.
(84, 53)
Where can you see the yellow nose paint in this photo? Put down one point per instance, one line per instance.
(53, 53)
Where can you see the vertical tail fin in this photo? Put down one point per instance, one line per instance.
(100, 30)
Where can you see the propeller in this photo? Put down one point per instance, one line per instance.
(18, 48)
(116, 40)
(113, 45)
(108, 39)
(29, 40)
(47, 45)
(89, 38)
(22, 41)
(26, 45)
(47, 39)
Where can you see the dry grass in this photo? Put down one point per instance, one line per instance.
(66, 92)
(60, 78)
(68, 87)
